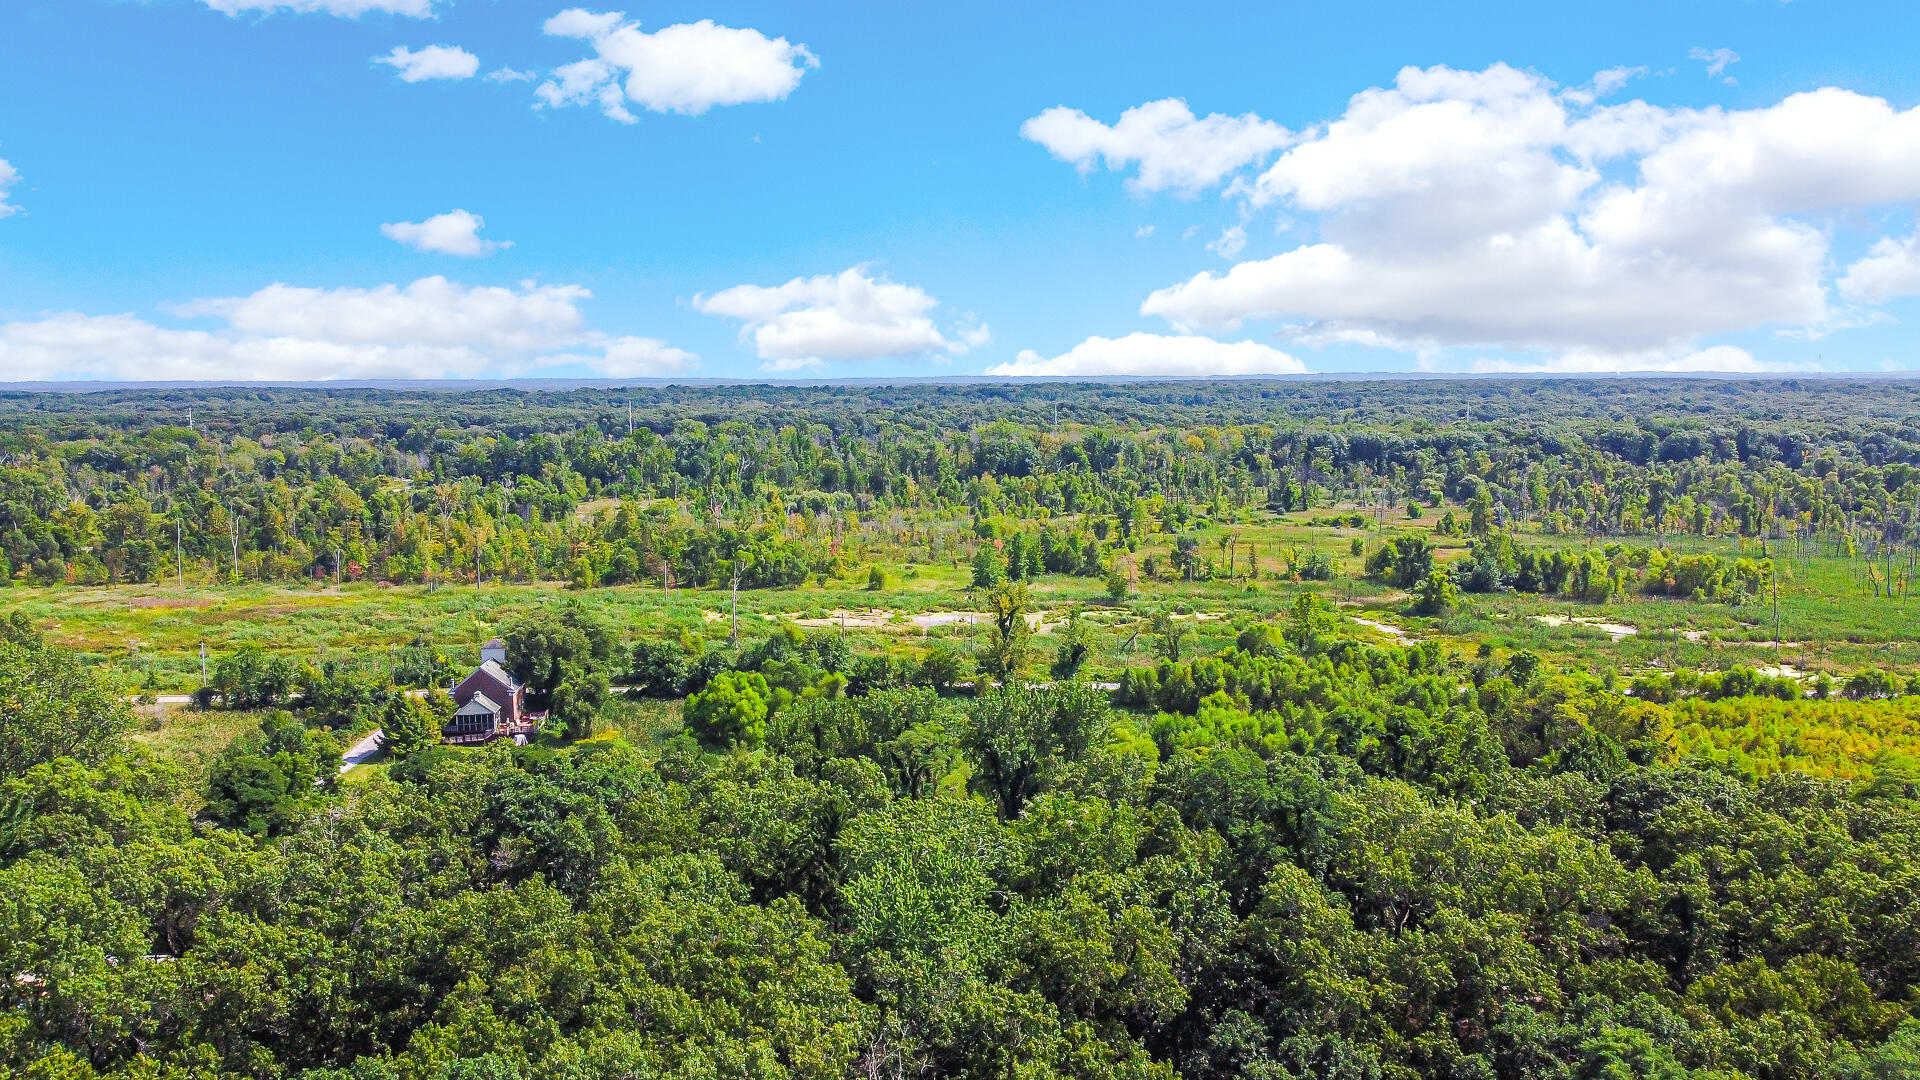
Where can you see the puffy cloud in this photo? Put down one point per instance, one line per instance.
(844, 316)
(1143, 232)
(454, 233)
(1717, 61)
(1486, 209)
(431, 311)
(1231, 241)
(417, 9)
(1719, 358)
(624, 358)
(1603, 84)
(432, 328)
(432, 62)
(1172, 148)
(581, 23)
(685, 68)
(9, 176)
(1155, 354)
(1891, 268)
(1548, 288)
(972, 333)
(1440, 156)
(786, 364)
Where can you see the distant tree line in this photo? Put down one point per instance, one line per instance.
(691, 484)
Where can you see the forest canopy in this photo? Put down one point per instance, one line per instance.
(279, 483)
(1180, 730)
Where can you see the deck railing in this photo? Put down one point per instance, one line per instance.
(504, 731)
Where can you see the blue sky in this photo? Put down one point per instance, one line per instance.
(241, 189)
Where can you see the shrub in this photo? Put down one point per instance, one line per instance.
(733, 709)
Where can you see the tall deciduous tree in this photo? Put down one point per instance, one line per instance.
(53, 705)
(1017, 737)
(1005, 652)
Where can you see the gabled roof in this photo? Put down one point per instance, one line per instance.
(501, 675)
(478, 705)
(496, 643)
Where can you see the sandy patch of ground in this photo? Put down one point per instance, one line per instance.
(950, 618)
(1388, 629)
(881, 619)
(1614, 630)
(868, 619)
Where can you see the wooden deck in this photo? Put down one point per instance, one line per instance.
(505, 731)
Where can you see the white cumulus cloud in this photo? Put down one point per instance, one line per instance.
(432, 328)
(1172, 148)
(971, 333)
(454, 233)
(1717, 61)
(1604, 84)
(1890, 268)
(846, 316)
(9, 176)
(431, 311)
(1718, 358)
(623, 358)
(417, 9)
(1488, 209)
(1231, 242)
(1155, 354)
(685, 68)
(432, 62)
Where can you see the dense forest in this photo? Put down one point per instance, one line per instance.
(1172, 807)
(687, 482)
(1345, 861)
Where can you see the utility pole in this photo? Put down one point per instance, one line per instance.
(179, 561)
(500, 534)
(203, 665)
(1775, 575)
(733, 638)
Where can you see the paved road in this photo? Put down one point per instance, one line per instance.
(361, 751)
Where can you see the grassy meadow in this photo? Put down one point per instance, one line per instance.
(150, 635)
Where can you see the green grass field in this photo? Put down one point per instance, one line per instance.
(191, 738)
(150, 635)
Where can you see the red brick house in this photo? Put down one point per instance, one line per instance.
(491, 702)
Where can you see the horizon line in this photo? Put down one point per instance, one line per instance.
(56, 386)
